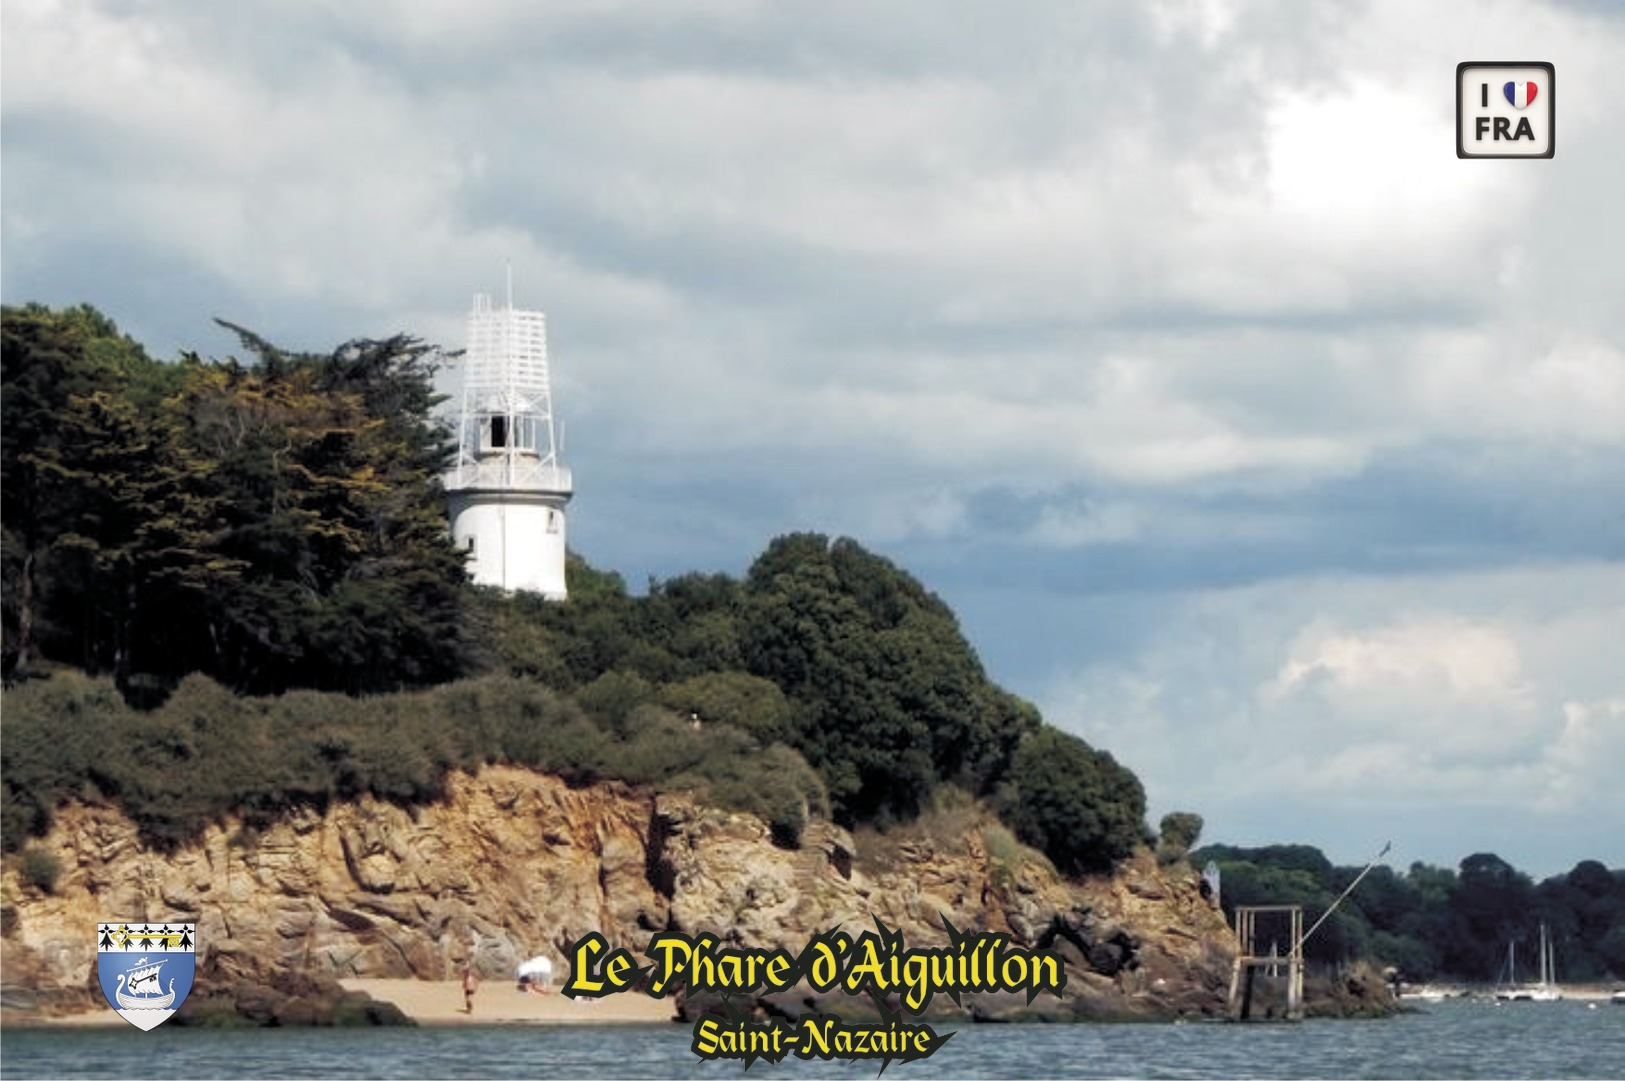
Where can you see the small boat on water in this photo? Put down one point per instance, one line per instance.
(146, 993)
(1617, 998)
(1544, 991)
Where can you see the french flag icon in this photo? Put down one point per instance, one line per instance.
(1520, 95)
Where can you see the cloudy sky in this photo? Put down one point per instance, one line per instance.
(1254, 436)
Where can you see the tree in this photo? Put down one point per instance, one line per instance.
(1494, 902)
(1072, 802)
(1177, 834)
(891, 699)
(328, 469)
(277, 523)
(100, 524)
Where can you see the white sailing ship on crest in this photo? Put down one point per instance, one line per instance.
(146, 992)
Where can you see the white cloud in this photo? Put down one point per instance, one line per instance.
(1442, 659)
(1473, 691)
(1592, 740)
(1535, 382)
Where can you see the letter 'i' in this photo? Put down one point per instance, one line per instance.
(1484, 94)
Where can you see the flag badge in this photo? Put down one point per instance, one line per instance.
(1520, 95)
(146, 969)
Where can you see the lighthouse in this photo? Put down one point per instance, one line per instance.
(507, 491)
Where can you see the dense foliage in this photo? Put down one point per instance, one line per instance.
(1074, 803)
(277, 526)
(1433, 922)
(894, 700)
(1176, 834)
(829, 647)
(274, 524)
(207, 752)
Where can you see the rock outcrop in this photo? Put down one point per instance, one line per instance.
(512, 864)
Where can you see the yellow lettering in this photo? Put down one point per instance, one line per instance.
(1047, 973)
(816, 1031)
(665, 948)
(826, 966)
(590, 946)
(871, 965)
(917, 976)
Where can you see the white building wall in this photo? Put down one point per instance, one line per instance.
(515, 539)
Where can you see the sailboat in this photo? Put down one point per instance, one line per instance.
(1546, 990)
(143, 996)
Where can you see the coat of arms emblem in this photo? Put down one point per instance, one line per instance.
(146, 969)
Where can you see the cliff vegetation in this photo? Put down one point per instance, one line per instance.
(228, 590)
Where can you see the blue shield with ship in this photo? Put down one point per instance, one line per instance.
(146, 969)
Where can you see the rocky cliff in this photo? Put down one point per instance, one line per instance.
(512, 864)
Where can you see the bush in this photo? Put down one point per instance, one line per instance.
(39, 869)
(747, 702)
(611, 698)
(1177, 835)
(59, 733)
(1073, 803)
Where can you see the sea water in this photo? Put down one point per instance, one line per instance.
(1452, 1039)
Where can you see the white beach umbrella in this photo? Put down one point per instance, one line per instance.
(538, 967)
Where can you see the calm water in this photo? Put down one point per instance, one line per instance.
(1451, 1040)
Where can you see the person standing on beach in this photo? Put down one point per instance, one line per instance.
(470, 985)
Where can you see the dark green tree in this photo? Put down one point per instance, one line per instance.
(277, 523)
(1074, 803)
(1495, 904)
(1176, 834)
(890, 698)
(103, 517)
(326, 469)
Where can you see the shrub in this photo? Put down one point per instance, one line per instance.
(208, 752)
(1177, 835)
(39, 869)
(747, 702)
(611, 698)
(1073, 803)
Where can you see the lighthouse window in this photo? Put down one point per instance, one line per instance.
(499, 432)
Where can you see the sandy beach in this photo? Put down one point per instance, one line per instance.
(440, 1002)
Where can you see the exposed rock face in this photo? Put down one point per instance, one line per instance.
(513, 864)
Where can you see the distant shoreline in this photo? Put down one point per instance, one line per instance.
(1576, 992)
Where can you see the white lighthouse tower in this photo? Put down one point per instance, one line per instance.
(507, 492)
